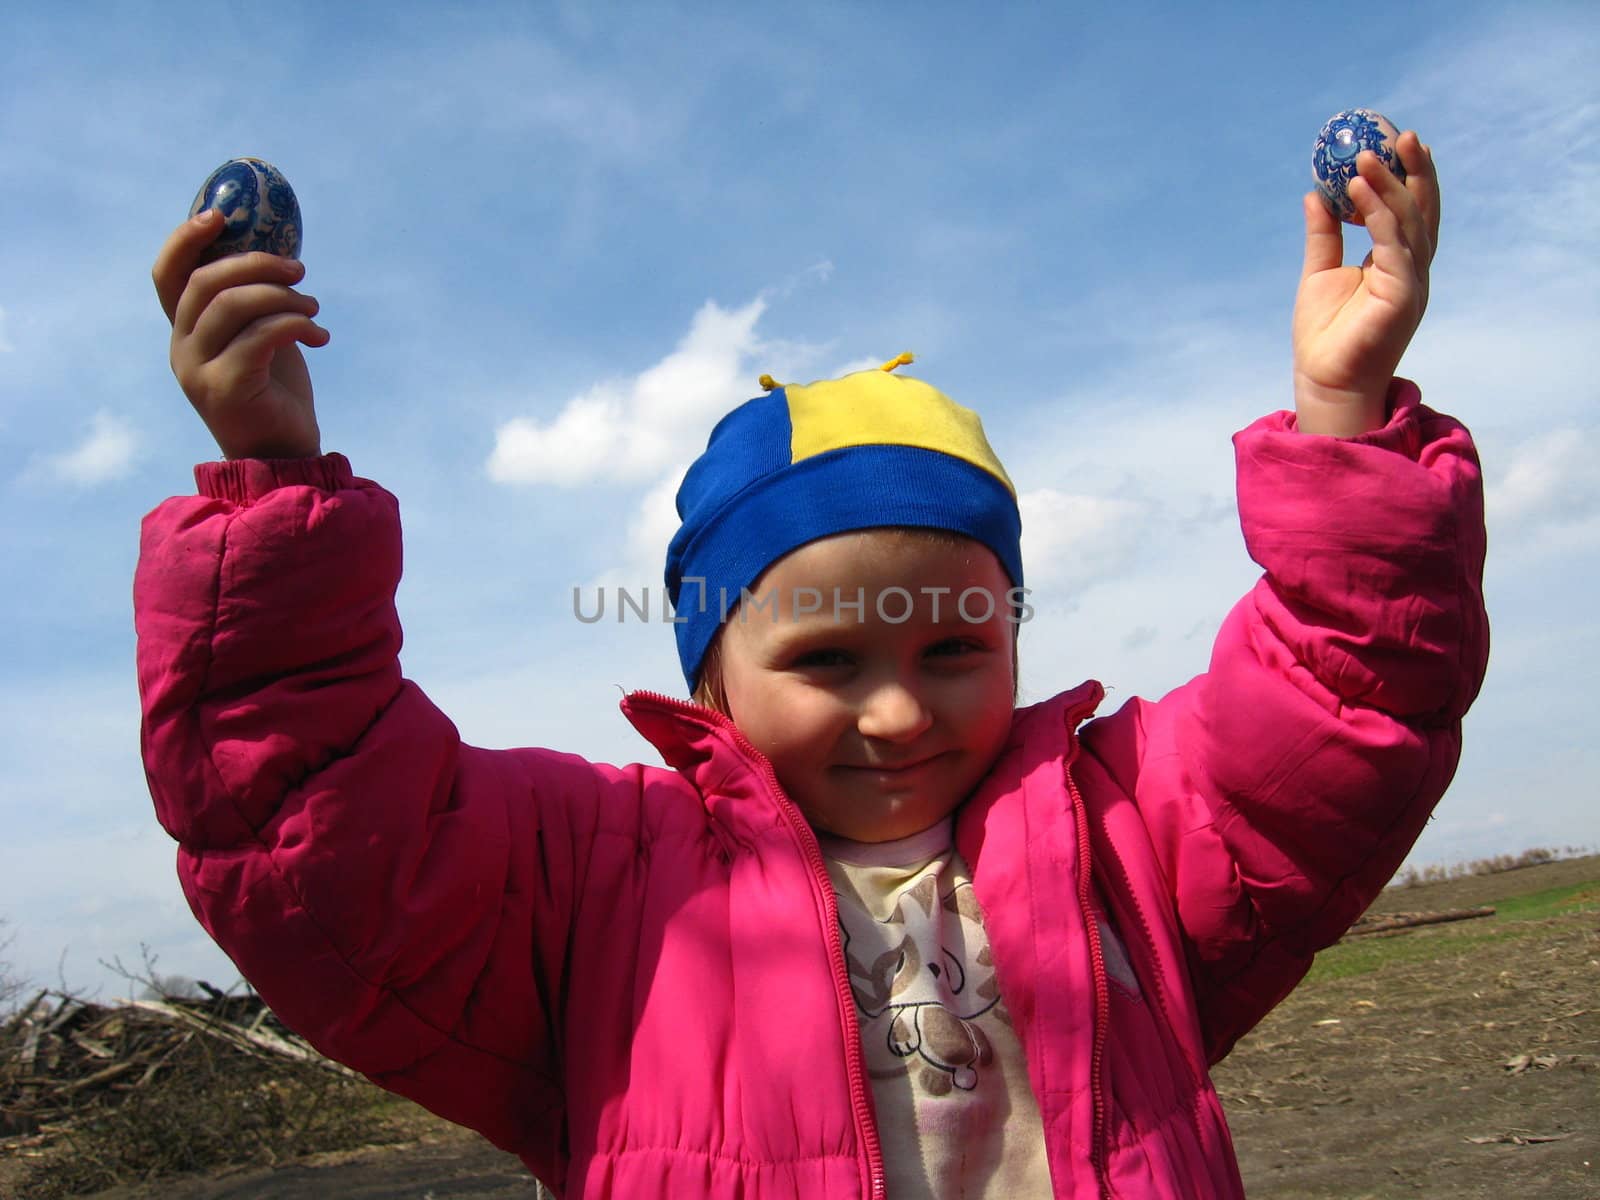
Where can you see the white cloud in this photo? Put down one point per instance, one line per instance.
(1525, 123)
(643, 551)
(1078, 539)
(90, 898)
(652, 528)
(818, 272)
(631, 429)
(1550, 478)
(86, 873)
(615, 116)
(1139, 636)
(107, 452)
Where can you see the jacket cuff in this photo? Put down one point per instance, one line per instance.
(243, 481)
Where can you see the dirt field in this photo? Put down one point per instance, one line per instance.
(1453, 1061)
(1464, 1061)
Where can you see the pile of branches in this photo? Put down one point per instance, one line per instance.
(1386, 923)
(139, 1089)
(61, 1057)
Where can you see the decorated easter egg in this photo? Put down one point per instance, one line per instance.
(258, 204)
(1333, 160)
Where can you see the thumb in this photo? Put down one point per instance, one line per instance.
(1324, 238)
(179, 256)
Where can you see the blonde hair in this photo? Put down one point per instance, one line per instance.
(709, 691)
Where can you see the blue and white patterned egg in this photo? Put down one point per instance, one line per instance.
(259, 206)
(1333, 160)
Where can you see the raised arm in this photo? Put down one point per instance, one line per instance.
(401, 899)
(1283, 788)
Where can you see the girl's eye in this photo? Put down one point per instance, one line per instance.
(823, 658)
(952, 647)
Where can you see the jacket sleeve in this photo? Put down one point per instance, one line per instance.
(395, 896)
(1283, 788)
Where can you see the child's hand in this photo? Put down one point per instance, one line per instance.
(1352, 324)
(235, 325)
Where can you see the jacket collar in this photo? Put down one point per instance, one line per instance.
(737, 783)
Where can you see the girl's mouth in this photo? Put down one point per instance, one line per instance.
(894, 770)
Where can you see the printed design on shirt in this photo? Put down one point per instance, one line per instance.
(918, 995)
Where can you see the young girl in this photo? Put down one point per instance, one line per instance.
(876, 933)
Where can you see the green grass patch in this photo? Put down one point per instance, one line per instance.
(1535, 906)
(1362, 956)
(1512, 920)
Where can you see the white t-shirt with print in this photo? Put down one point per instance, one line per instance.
(949, 1078)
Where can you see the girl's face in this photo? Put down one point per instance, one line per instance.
(877, 726)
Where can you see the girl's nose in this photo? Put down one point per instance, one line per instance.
(893, 712)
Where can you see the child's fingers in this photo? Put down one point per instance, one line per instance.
(236, 309)
(206, 284)
(1324, 237)
(1398, 200)
(1422, 181)
(179, 255)
(1391, 254)
(253, 347)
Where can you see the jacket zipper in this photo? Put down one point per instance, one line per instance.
(1102, 989)
(860, 1100)
(1158, 990)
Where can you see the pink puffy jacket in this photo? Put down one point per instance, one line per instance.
(632, 977)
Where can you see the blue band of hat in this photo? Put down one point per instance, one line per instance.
(717, 554)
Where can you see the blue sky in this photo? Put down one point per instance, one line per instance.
(554, 243)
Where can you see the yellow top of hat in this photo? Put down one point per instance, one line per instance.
(875, 407)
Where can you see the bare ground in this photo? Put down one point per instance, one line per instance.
(1466, 1065)
(1458, 1061)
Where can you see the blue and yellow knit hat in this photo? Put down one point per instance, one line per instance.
(804, 462)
